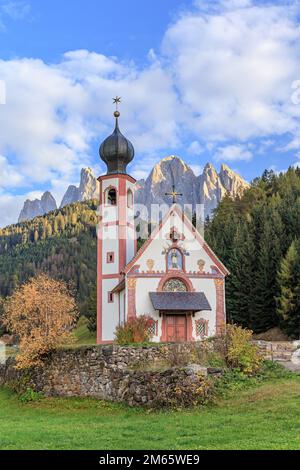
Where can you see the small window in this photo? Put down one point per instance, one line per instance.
(110, 298)
(111, 197)
(129, 199)
(202, 329)
(110, 258)
(153, 328)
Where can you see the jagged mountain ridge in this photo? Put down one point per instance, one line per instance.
(38, 207)
(209, 188)
(87, 190)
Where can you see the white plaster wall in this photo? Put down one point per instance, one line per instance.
(143, 302)
(154, 252)
(197, 253)
(130, 211)
(110, 182)
(110, 311)
(208, 287)
(190, 244)
(122, 306)
(130, 244)
(110, 244)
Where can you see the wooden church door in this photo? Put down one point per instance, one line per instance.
(176, 328)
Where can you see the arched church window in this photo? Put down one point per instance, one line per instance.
(175, 285)
(175, 259)
(111, 197)
(129, 199)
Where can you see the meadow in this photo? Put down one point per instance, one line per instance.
(265, 416)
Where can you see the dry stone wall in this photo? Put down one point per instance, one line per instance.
(131, 375)
(113, 373)
(279, 351)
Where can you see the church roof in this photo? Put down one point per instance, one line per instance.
(186, 220)
(121, 286)
(179, 301)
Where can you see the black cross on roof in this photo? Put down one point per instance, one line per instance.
(174, 194)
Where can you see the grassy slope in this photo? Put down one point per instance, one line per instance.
(265, 417)
(82, 335)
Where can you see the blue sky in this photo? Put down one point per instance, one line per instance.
(213, 81)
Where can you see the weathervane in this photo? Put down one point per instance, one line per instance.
(117, 100)
(174, 194)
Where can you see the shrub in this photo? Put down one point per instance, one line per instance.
(135, 330)
(30, 396)
(182, 392)
(238, 350)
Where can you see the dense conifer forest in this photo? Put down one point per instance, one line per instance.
(61, 244)
(257, 237)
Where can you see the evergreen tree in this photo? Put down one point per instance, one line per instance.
(251, 235)
(288, 302)
(268, 259)
(91, 310)
(240, 283)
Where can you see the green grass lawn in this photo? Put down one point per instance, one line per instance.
(262, 417)
(82, 336)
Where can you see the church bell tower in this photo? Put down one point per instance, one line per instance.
(116, 230)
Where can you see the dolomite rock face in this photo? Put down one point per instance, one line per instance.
(208, 189)
(88, 189)
(232, 182)
(72, 195)
(38, 207)
(89, 186)
(169, 171)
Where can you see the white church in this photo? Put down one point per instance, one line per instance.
(175, 278)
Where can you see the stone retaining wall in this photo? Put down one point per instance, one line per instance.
(281, 351)
(132, 375)
(114, 373)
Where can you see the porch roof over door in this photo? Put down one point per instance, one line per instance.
(179, 301)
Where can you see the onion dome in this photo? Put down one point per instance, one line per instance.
(117, 151)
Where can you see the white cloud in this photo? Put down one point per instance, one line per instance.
(234, 66)
(10, 177)
(53, 112)
(195, 148)
(233, 153)
(10, 207)
(2, 92)
(17, 10)
(224, 75)
(197, 169)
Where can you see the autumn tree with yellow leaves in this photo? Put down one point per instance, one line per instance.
(42, 314)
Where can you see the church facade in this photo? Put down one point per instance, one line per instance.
(175, 278)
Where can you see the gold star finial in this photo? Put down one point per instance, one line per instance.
(117, 100)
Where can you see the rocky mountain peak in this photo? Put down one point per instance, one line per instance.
(207, 189)
(168, 171)
(210, 174)
(38, 207)
(232, 181)
(48, 202)
(168, 164)
(88, 189)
